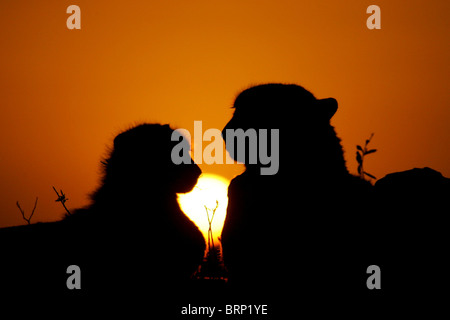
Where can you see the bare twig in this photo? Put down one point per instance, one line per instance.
(28, 220)
(62, 198)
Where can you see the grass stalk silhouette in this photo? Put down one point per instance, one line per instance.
(210, 220)
(360, 154)
(212, 266)
(62, 198)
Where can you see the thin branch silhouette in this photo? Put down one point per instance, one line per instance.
(62, 198)
(360, 154)
(28, 220)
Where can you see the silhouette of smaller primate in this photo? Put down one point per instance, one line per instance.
(145, 237)
(296, 232)
(133, 237)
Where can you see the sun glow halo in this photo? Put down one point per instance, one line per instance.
(209, 189)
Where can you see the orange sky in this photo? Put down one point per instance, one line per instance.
(65, 94)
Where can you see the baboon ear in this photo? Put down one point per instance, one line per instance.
(329, 106)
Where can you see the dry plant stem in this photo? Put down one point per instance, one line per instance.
(210, 234)
(62, 198)
(28, 220)
(360, 154)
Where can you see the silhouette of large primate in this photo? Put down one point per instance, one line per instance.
(297, 230)
(133, 237)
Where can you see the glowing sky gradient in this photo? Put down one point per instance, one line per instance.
(65, 94)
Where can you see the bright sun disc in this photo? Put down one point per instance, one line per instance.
(209, 189)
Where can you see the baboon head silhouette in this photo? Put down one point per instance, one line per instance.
(141, 158)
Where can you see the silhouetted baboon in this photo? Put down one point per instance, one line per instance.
(146, 236)
(134, 235)
(297, 228)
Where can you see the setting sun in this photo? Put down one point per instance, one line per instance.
(201, 202)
